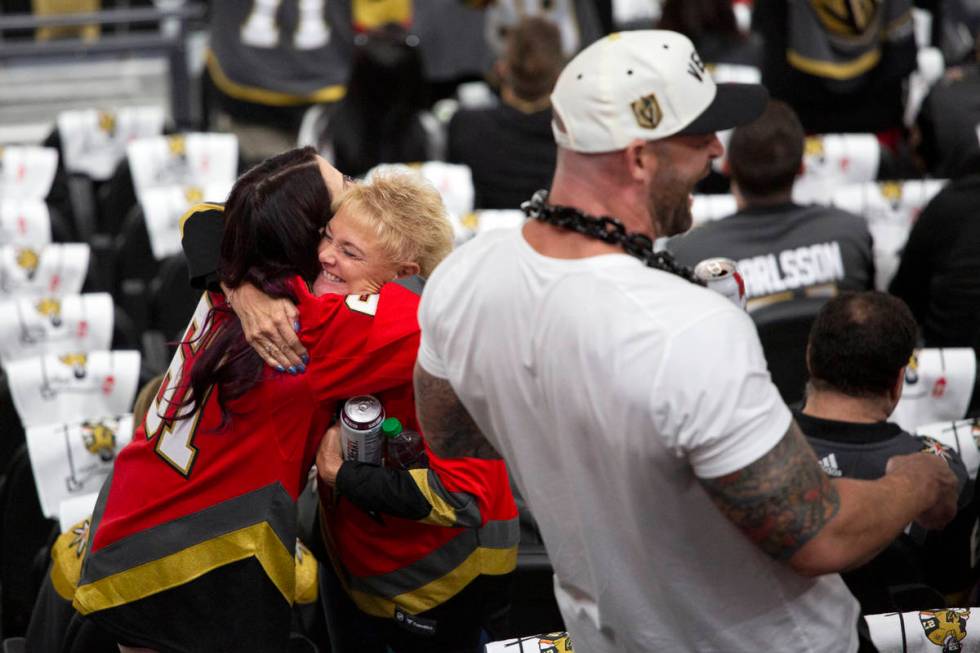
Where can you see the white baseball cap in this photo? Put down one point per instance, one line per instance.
(646, 84)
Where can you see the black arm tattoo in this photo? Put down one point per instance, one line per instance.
(447, 425)
(780, 501)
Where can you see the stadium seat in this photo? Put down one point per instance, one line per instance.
(14, 645)
(783, 331)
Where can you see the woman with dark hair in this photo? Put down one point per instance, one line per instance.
(382, 117)
(193, 536)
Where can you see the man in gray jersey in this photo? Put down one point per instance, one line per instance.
(784, 251)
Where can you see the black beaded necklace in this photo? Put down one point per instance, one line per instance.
(608, 230)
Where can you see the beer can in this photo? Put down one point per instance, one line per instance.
(722, 276)
(360, 429)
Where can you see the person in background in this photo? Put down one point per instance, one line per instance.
(509, 147)
(680, 505)
(785, 251)
(383, 117)
(859, 346)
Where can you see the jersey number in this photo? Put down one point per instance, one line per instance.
(261, 31)
(175, 436)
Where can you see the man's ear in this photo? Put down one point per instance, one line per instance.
(639, 160)
(408, 270)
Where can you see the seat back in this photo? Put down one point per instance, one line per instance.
(783, 331)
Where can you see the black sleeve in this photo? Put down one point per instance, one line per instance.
(383, 490)
(201, 230)
(913, 278)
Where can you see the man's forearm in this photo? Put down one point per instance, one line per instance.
(870, 516)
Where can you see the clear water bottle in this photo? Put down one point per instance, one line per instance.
(404, 448)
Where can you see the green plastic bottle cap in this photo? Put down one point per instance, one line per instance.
(391, 427)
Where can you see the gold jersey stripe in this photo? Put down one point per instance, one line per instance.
(258, 540)
(442, 514)
(847, 70)
(265, 96)
(492, 562)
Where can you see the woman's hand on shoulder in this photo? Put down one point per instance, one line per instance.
(270, 327)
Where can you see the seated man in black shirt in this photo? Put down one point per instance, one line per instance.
(858, 349)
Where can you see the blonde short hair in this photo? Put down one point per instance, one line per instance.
(408, 215)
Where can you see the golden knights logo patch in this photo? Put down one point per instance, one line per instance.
(555, 643)
(846, 18)
(100, 439)
(647, 111)
(945, 628)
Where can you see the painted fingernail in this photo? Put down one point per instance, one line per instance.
(280, 368)
(296, 325)
(306, 358)
(302, 368)
(292, 370)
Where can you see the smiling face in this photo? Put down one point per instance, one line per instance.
(352, 261)
(682, 162)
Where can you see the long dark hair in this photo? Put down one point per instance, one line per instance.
(377, 121)
(272, 221)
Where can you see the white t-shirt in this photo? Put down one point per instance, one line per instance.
(607, 386)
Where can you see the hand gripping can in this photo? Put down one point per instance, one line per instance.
(360, 429)
(722, 276)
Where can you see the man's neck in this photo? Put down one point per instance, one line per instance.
(826, 404)
(510, 98)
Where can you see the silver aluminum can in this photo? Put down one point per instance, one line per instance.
(360, 429)
(722, 276)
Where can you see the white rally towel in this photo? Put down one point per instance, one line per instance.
(164, 206)
(70, 387)
(93, 142)
(963, 435)
(27, 171)
(188, 159)
(830, 160)
(925, 631)
(559, 642)
(24, 223)
(73, 459)
(52, 325)
(57, 269)
(891, 208)
(938, 387)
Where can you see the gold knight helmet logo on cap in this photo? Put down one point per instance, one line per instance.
(647, 111)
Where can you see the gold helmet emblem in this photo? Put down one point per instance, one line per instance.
(912, 369)
(193, 194)
(813, 147)
(50, 308)
(76, 362)
(99, 439)
(945, 628)
(891, 191)
(647, 111)
(177, 145)
(107, 122)
(28, 260)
